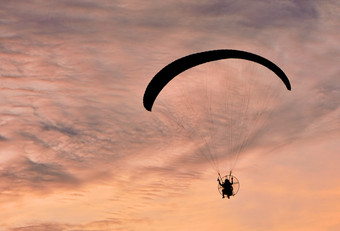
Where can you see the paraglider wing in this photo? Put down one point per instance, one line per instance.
(164, 76)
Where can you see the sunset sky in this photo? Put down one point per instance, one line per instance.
(78, 151)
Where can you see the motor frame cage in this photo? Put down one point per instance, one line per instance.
(236, 184)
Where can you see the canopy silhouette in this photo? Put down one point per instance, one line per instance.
(164, 76)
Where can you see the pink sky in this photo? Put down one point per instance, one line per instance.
(79, 152)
